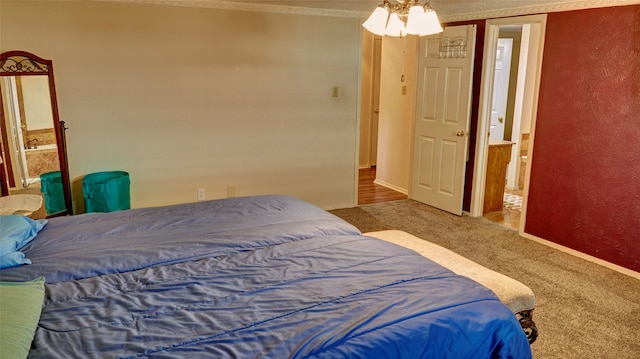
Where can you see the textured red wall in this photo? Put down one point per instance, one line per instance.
(585, 180)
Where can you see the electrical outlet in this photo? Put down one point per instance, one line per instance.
(201, 194)
(231, 191)
(335, 91)
(404, 89)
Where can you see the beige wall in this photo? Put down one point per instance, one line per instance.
(187, 98)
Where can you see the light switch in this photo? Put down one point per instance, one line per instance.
(335, 92)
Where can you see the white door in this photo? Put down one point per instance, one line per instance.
(500, 88)
(443, 109)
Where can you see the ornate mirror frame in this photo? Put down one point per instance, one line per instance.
(21, 63)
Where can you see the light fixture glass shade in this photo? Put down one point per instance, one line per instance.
(395, 27)
(416, 16)
(430, 24)
(396, 20)
(377, 22)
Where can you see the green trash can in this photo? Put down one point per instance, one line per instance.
(106, 191)
(51, 188)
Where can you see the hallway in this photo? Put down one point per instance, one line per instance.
(369, 192)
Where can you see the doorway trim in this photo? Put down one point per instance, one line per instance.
(484, 111)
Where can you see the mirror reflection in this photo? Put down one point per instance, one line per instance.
(33, 168)
(29, 121)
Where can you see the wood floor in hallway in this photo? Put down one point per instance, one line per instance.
(369, 192)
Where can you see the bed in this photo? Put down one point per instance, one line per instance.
(263, 276)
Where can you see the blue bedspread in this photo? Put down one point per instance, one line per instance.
(268, 277)
(100, 243)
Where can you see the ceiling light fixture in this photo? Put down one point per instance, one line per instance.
(402, 18)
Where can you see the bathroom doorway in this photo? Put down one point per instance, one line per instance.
(503, 197)
(520, 112)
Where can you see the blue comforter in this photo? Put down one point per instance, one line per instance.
(269, 277)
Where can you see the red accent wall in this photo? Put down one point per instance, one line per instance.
(585, 179)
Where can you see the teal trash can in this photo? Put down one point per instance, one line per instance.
(51, 188)
(106, 191)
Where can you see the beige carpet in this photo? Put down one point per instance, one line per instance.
(583, 310)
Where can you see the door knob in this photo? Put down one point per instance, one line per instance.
(461, 133)
(501, 119)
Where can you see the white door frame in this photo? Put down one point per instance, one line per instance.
(484, 113)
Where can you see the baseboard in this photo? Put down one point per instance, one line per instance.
(584, 256)
(390, 186)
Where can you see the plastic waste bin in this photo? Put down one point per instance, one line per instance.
(106, 191)
(51, 188)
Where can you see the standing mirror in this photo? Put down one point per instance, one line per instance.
(33, 156)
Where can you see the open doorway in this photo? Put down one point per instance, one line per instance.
(371, 188)
(370, 100)
(503, 193)
(518, 120)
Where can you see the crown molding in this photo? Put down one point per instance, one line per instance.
(568, 5)
(537, 9)
(247, 6)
